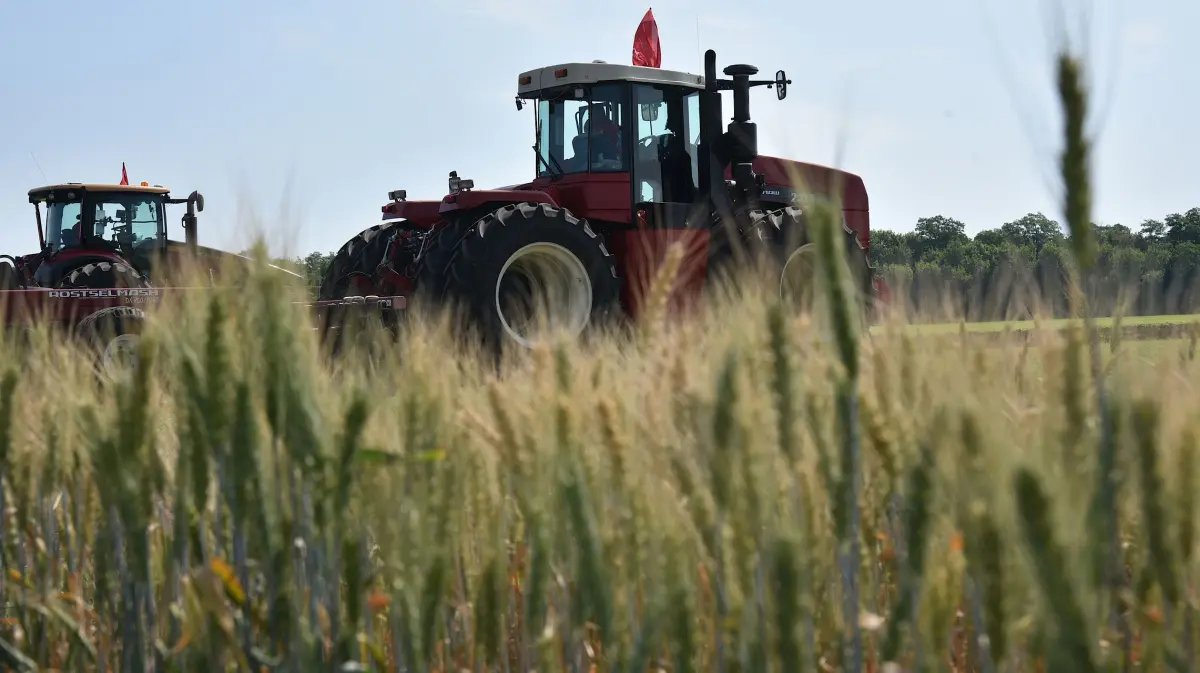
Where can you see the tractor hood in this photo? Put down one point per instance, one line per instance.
(205, 252)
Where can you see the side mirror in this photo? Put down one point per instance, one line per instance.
(649, 112)
(781, 82)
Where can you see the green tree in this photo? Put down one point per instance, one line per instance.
(991, 237)
(1034, 229)
(889, 247)
(1183, 228)
(1151, 232)
(935, 234)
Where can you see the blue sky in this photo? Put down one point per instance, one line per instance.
(296, 118)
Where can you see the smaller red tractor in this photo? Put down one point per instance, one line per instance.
(627, 159)
(108, 236)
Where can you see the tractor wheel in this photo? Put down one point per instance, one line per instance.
(9, 278)
(431, 279)
(784, 235)
(729, 248)
(353, 258)
(103, 275)
(530, 265)
(114, 334)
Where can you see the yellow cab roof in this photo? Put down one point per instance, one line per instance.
(96, 187)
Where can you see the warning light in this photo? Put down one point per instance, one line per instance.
(145, 184)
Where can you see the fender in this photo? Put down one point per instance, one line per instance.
(471, 200)
(823, 180)
(778, 194)
(205, 252)
(421, 213)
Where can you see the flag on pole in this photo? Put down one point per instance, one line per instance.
(646, 49)
(124, 175)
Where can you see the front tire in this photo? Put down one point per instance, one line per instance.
(114, 335)
(785, 235)
(527, 266)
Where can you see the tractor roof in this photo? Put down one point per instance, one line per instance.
(42, 192)
(533, 82)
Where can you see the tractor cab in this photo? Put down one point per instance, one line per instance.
(607, 123)
(660, 130)
(124, 220)
(124, 223)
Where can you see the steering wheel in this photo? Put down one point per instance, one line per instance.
(644, 146)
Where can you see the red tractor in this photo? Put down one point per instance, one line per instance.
(107, 236)
(627, 158)
(105, 260)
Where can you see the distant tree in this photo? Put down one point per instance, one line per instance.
(991, 237)
(315, 264)
(1151, 232)
(1034, 229)
(1115, 235)
(1183, 228)
(935, 234)
(889, 247)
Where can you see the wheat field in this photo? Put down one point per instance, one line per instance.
(740, 489)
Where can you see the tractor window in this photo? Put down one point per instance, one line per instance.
(62, 220)
(581, 129)
(666, 167)
(691, 133)
(604, 125)
(130, 219)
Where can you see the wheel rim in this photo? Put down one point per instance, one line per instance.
(798, 277)
(543, 285)
(120, 354)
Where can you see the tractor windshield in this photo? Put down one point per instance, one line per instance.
(129, 219)
(582, 129)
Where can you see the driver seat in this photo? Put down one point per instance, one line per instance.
(579, 144)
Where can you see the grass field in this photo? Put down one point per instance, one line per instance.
(744, 490)
(677, 499)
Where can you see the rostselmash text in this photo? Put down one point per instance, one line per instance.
(106, 293)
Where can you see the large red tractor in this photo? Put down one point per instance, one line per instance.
(626, 158)
(108, 236)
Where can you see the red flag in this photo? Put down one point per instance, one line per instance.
(124, 175)
(646, 49)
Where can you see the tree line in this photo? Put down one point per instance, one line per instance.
(1013, 270)
(1023, 265)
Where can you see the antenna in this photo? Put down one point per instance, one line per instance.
(699, 61)
(39, 166)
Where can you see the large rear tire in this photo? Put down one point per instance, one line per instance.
(97, 275)
(431, 279)
(528, 266)
(353, 259)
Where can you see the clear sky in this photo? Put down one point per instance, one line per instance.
(300, 116)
